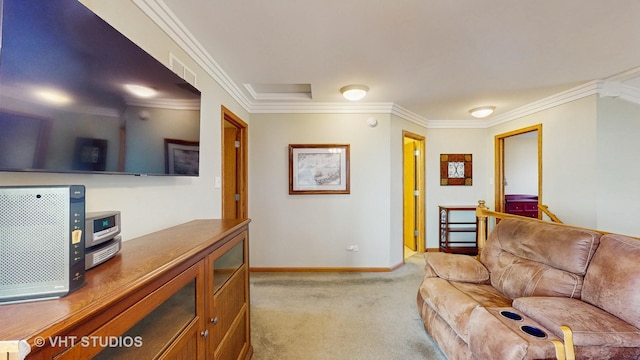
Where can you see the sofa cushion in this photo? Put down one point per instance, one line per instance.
(517, 277)
(591, 326)
(535, 258)
(612, 282)
(451, 304)
(457, 267)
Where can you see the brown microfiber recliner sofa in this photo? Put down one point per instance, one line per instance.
(533, 278)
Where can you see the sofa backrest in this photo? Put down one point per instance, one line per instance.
(612, 282)
(535, 258)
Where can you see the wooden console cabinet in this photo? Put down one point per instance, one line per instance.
(180, 293)
(523, 205)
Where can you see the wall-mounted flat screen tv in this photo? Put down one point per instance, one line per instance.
(77, 96)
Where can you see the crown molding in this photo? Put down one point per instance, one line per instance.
(405, 114)
(171, 104)
(164, 18)
(277, 96)
(457, 124)
(630, 93)
(575, 93)
(620, 90)
(320, 108)
(160, 14)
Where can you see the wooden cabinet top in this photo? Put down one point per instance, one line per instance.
(140, 262)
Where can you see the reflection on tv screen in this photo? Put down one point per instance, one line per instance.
(78, 96)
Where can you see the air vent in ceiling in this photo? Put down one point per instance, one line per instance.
(279, 91)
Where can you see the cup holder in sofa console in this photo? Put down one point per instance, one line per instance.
(511, 315)
(533, 331)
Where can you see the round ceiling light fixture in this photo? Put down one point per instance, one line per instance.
(140, 90)
(354, 92)
(482, 112)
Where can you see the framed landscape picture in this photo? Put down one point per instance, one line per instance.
(318, 169)
(182, 157)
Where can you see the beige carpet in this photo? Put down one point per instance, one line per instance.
(296, 316)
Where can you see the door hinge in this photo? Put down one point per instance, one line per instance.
(416, 233)
(237, 144)
(237, 197)
(416, 192)
(416, 152)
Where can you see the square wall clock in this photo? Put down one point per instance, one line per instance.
(456, 169)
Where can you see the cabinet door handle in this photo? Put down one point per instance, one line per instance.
(205, 334)
(214, 320)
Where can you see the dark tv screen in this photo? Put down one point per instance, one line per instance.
(71, 101)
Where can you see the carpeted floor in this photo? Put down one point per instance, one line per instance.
(351, 316)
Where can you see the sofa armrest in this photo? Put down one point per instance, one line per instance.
(456, 267)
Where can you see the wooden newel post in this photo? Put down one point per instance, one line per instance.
(482, 226)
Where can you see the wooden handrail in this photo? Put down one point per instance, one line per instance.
(483, 213)
(552, 216)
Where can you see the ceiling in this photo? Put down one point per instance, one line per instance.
(434, 59)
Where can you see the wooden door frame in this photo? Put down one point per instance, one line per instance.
(499, 164)
(242, 162)
(420, 211)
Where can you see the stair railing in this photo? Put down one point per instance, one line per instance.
(552, 216)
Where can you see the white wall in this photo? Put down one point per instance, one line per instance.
(618, 148)
(315, 230)
(153, 203)
(521, 164)
(569, 167)
(455, 141)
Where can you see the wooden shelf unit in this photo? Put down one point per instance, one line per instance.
(179, 293)
(458, 229)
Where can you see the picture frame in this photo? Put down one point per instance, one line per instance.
(182, 157)
(319, 169)
(90, 154)
(456, 169)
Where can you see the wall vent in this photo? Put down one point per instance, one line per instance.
(182, 70)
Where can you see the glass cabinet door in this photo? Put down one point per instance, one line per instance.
(168, 318)
(227, 264)
(148, 338)
(228, 310)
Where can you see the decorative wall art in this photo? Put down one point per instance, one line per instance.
(181, 156)
(318, 169)
(456, 169)
(90, 154)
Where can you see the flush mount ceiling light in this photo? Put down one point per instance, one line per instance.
(53, 96)
(481, 112)
(354, 92)
(140, 91)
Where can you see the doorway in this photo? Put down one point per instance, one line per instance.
(518, 157)
(413, 156)
(234, 166)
